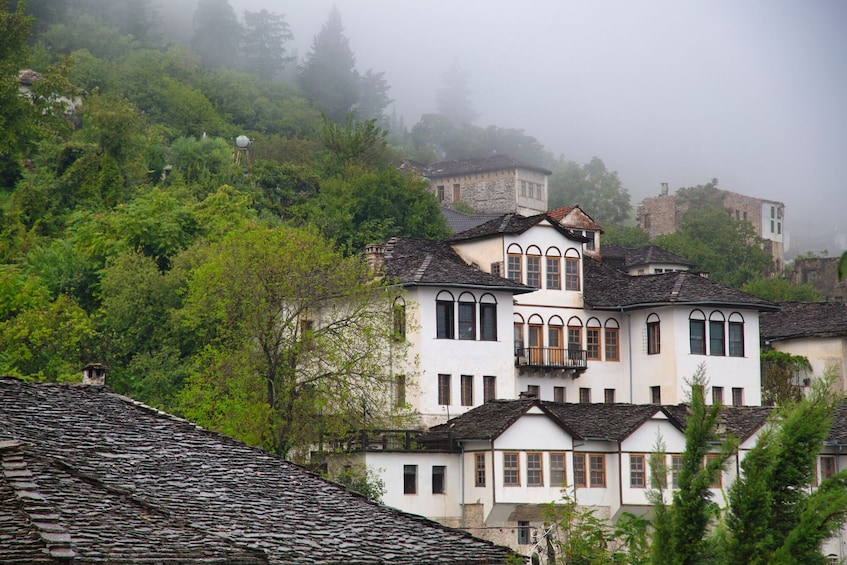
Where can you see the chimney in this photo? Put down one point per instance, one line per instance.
(375, 253)
(94, 374)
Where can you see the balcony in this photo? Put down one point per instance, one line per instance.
(551, 359)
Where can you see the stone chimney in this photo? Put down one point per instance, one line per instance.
(94, 374)
(375, 253)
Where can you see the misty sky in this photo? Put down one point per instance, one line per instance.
(752, 92)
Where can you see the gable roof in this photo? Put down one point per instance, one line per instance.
(609, 288)
(87, 473)
(459, 221)
(479, 165)
(574, 217)
(804, 319)
(423, 262)
(515, 224)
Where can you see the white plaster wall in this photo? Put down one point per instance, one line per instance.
(389, 466)
(651, 268)
(823, 353)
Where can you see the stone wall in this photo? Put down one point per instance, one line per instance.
(493, 192)
(822, 274)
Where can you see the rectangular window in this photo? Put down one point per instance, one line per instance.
(571, 273)
(717, 395)
(533, 391)
(489, 388)
(440, 192)
(444, 390)
(655, 395)
(654, 338)
(558, 394)
(597, 470)
(716, 338)
(579, 478)
(554, 344)
(612, 344)
(534, 470)
(697, 336)
(738, 397)
(514, 265)
(523, 188)
(590, 243)
(827, 467)
(511, 470)
(609, 396)
(772, 226)
(399, 322)
(637, 472)
(400, 390)
(479, 469)
(518, 337)
(585, 396)
(574, 338)
(467, 320)
(488, 321)
(676, 468)
(410, 479)
(533, 271)
(536, 351)
(523, 532)
(736, 339)
(711, 458)
(497, 269)
(457, 193)
(558, 476)
(592, 343)
(467, 390)
(438, 483)
(554, 273)
(444, 313)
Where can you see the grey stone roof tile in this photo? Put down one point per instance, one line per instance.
(479, 165)
(120, 482)
(804, 319)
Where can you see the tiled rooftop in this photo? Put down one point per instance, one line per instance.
(479, 165)
(804, 319)
(645, 255)
(91, 475)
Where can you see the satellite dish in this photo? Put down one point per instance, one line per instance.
(242, 141)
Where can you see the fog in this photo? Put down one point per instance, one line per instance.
(753, 93)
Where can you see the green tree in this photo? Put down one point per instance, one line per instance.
(361, 479)
(265, 36)
(778, 289)
(355, 142)
(780, 374)
(328, 76)
(842, 267)
(680, 529)
(295, 341)
(774, 517)
(627, 236)
(597, 190)
(217, 33)
(373, 99)
(453, 99)
(728, 249)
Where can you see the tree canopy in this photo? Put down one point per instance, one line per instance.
(597, 190)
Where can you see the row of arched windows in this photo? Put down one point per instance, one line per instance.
(465, 316)
(714, 334)
(600, 340)
(553, 267)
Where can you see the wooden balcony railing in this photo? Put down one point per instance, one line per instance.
(551, 358)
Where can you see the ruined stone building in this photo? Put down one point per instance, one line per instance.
(822, 274)
(662, 214)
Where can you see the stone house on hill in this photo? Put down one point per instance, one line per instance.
(498, 184)
(822, 274)
(662, 214)
(89, 476)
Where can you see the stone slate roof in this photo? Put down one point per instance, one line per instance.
(583, 221)
(89, 475)
(804, 319)
(645, 255)
(610, 422)
(423, 262)
(459, 221)
(479, 165)
(609, 288)
(838, 431)
(514, 224)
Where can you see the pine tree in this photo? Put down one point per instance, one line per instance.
(265, 36)
(454, 99)
(217, 33)
(328, 77)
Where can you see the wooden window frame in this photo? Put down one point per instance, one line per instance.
(534, 469)
(637, 470)
(511, 473)
(479, 469)
(557, 470)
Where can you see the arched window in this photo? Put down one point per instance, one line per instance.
(697, 332)
(467, 316)
(654, 335)
(717, 333)
(488, 318)
(535, 340)
(555, 329)
(398, 318)
(592, 339)
(445, 316)
(572, 269)
(533, 267)
(519, 335)
(574, 334)
(514, 262)
(736, 335)
(554, 269)
(612, 337)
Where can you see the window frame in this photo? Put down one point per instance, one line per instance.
(717, 395)
(410, 486)
(737, 396)
(557, 470)
(398, 320)
(585, 395)
(489, 388)
(717, 334)
(608, 395)
(735, 335)
(466, 389)
(580, 472)
(553, 273)
(654, 334)
(559, 394)
(830, 469)
(511, 473)
(571, 273)
(676, 469)
(611, 341)
(637, 471)
(487, 318)
(444, 392)
(534, 469)
(597, 472)
(697, 340)
(479, 469)
(445, 316)
(439, 479)
(593, 343)
(514, 264)
(533, 268)
(466, 317)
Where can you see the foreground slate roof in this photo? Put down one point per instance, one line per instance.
(609, 288)
(804, 319)
(459, 221)
(638, 256)
(90, 476)
(422, 262)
